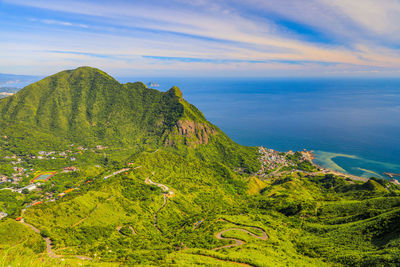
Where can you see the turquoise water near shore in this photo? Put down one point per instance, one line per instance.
(355, 165)
(353, 125)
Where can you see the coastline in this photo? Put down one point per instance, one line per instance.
(331, 171)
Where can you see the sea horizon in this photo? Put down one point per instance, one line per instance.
(349, 123)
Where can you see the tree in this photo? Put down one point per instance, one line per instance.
(25, 191)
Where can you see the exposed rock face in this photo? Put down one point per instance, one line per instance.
(193, 133)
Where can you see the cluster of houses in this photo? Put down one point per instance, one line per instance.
(50, 197)
(70, 169)
(272, 159)
(19, 172)
(44, 155)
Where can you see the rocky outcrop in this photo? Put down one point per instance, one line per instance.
(191, 133)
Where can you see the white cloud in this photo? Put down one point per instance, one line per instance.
(380, 17)
(211, 29)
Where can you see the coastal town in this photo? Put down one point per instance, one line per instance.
(274, 162)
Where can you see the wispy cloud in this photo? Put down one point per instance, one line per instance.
(267, 37)
(80, 53)
(225, 61)
(57, 22)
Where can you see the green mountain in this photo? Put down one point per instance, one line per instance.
(89, 107)
(168, 188)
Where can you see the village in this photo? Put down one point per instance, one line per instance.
(273, 161)
(14, 168)
(45, 196)
(28, 174)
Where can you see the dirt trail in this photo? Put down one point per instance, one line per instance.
(84, 219)
(239, 242)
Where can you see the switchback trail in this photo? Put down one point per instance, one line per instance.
(239, 242)
(166, 192)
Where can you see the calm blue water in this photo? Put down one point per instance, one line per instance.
(357, 118)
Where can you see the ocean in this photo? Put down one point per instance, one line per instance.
(352, 125)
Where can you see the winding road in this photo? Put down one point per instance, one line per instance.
(49, 249)
(156, 214)
(130, 227)
(166, 192)
(239, 242)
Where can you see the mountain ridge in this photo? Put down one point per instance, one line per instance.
(88, 106)
(85, 98)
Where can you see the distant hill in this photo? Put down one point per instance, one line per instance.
(19, 81)
(8, 91)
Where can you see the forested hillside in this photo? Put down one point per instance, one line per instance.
(135, 176)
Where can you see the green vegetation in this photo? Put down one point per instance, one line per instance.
(114, 137)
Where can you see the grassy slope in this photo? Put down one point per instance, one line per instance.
(304, 218)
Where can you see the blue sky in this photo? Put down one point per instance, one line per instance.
(274, 38)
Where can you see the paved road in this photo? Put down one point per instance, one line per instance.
(130, 227)
(239, 242)
(166, 192)
(156, 214)
(116, 172)
(49, 249)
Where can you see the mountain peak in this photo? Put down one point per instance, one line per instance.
(85, 71)
(175, 91)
